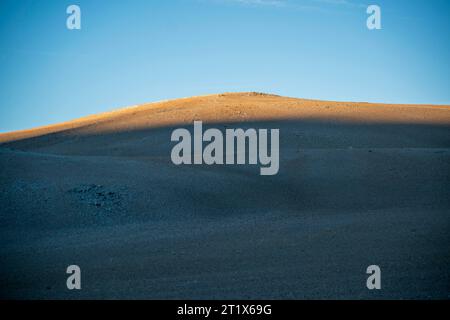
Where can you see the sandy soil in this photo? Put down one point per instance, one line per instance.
(359, 184)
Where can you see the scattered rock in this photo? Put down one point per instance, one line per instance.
(98, 196)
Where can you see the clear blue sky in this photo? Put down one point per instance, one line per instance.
(136, 51)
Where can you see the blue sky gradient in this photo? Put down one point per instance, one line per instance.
(137, 51)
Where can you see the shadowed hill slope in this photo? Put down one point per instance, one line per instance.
(359, 184)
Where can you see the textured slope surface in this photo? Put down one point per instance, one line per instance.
(359, 184)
